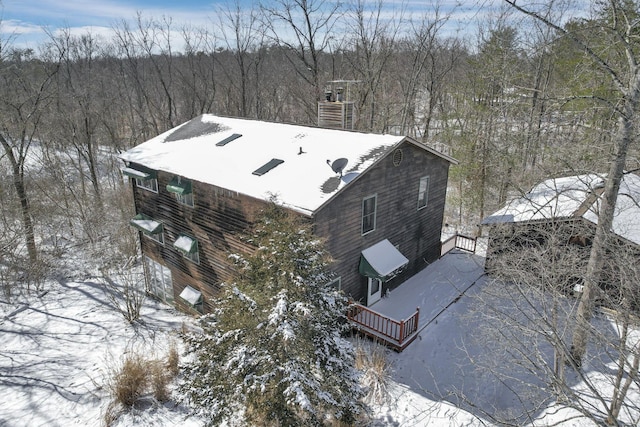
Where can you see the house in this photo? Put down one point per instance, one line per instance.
(566, 210)
(378, 200)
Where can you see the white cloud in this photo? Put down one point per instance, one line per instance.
(12, 26)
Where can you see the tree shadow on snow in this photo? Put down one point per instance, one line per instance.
(493, 363)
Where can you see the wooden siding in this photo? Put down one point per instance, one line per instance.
(220, 216)
(415, 232)
(216, 221)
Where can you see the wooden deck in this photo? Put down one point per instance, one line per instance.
(393, 333)
(398, 334)
(458, 241)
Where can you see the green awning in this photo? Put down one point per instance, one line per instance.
(186, 244)
(179, 186)
(139, 172)
(382, 261)
(145, 224)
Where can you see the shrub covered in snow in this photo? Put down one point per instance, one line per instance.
(273, 352)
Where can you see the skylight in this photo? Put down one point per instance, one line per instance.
(228, 139)
(267, 167)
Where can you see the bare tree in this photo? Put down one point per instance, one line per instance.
(306, 29)
(528, 311)
(78, 94)
(196, 71)
(25, 83)
(369, 53)
(617, 23)
(244, 37)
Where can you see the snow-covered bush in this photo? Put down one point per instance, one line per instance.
(273, 351)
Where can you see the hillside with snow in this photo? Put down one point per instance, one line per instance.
(61, 345)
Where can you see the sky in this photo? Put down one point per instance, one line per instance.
(28, 19)
(25, 21)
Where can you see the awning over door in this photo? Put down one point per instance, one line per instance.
(382, 261)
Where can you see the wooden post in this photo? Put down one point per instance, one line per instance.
(401, 332)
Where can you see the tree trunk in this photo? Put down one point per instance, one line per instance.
(624, 136)
(25, 207)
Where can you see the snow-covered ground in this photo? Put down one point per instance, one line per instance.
(59, 346)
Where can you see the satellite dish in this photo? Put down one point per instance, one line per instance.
(339, 165)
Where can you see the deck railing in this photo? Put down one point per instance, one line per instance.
(397, 334)
(458, 241)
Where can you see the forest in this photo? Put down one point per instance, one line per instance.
(515, 100)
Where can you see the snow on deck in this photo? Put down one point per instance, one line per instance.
(200, 150)
(432, 289)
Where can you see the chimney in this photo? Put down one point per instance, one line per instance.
(336, 110)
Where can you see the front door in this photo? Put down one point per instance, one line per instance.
(374, 290)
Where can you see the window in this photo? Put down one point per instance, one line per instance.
(144, 177)
(150, 184)
(158, 237)
(185, 199)
(423, 192)
(193, 297)
(159, 280)
(189, 248)
(368, 214)
(150, 228)
(335, 284)
(181, 187)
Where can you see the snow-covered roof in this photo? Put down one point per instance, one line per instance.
(576, 196)
(209, 149)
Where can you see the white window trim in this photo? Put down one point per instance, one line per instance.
(195, 256)
(375, 214)
(426, 193)
(152, 187)
(152, 236)
(157, 280)
(185, 199)
(332, 282)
